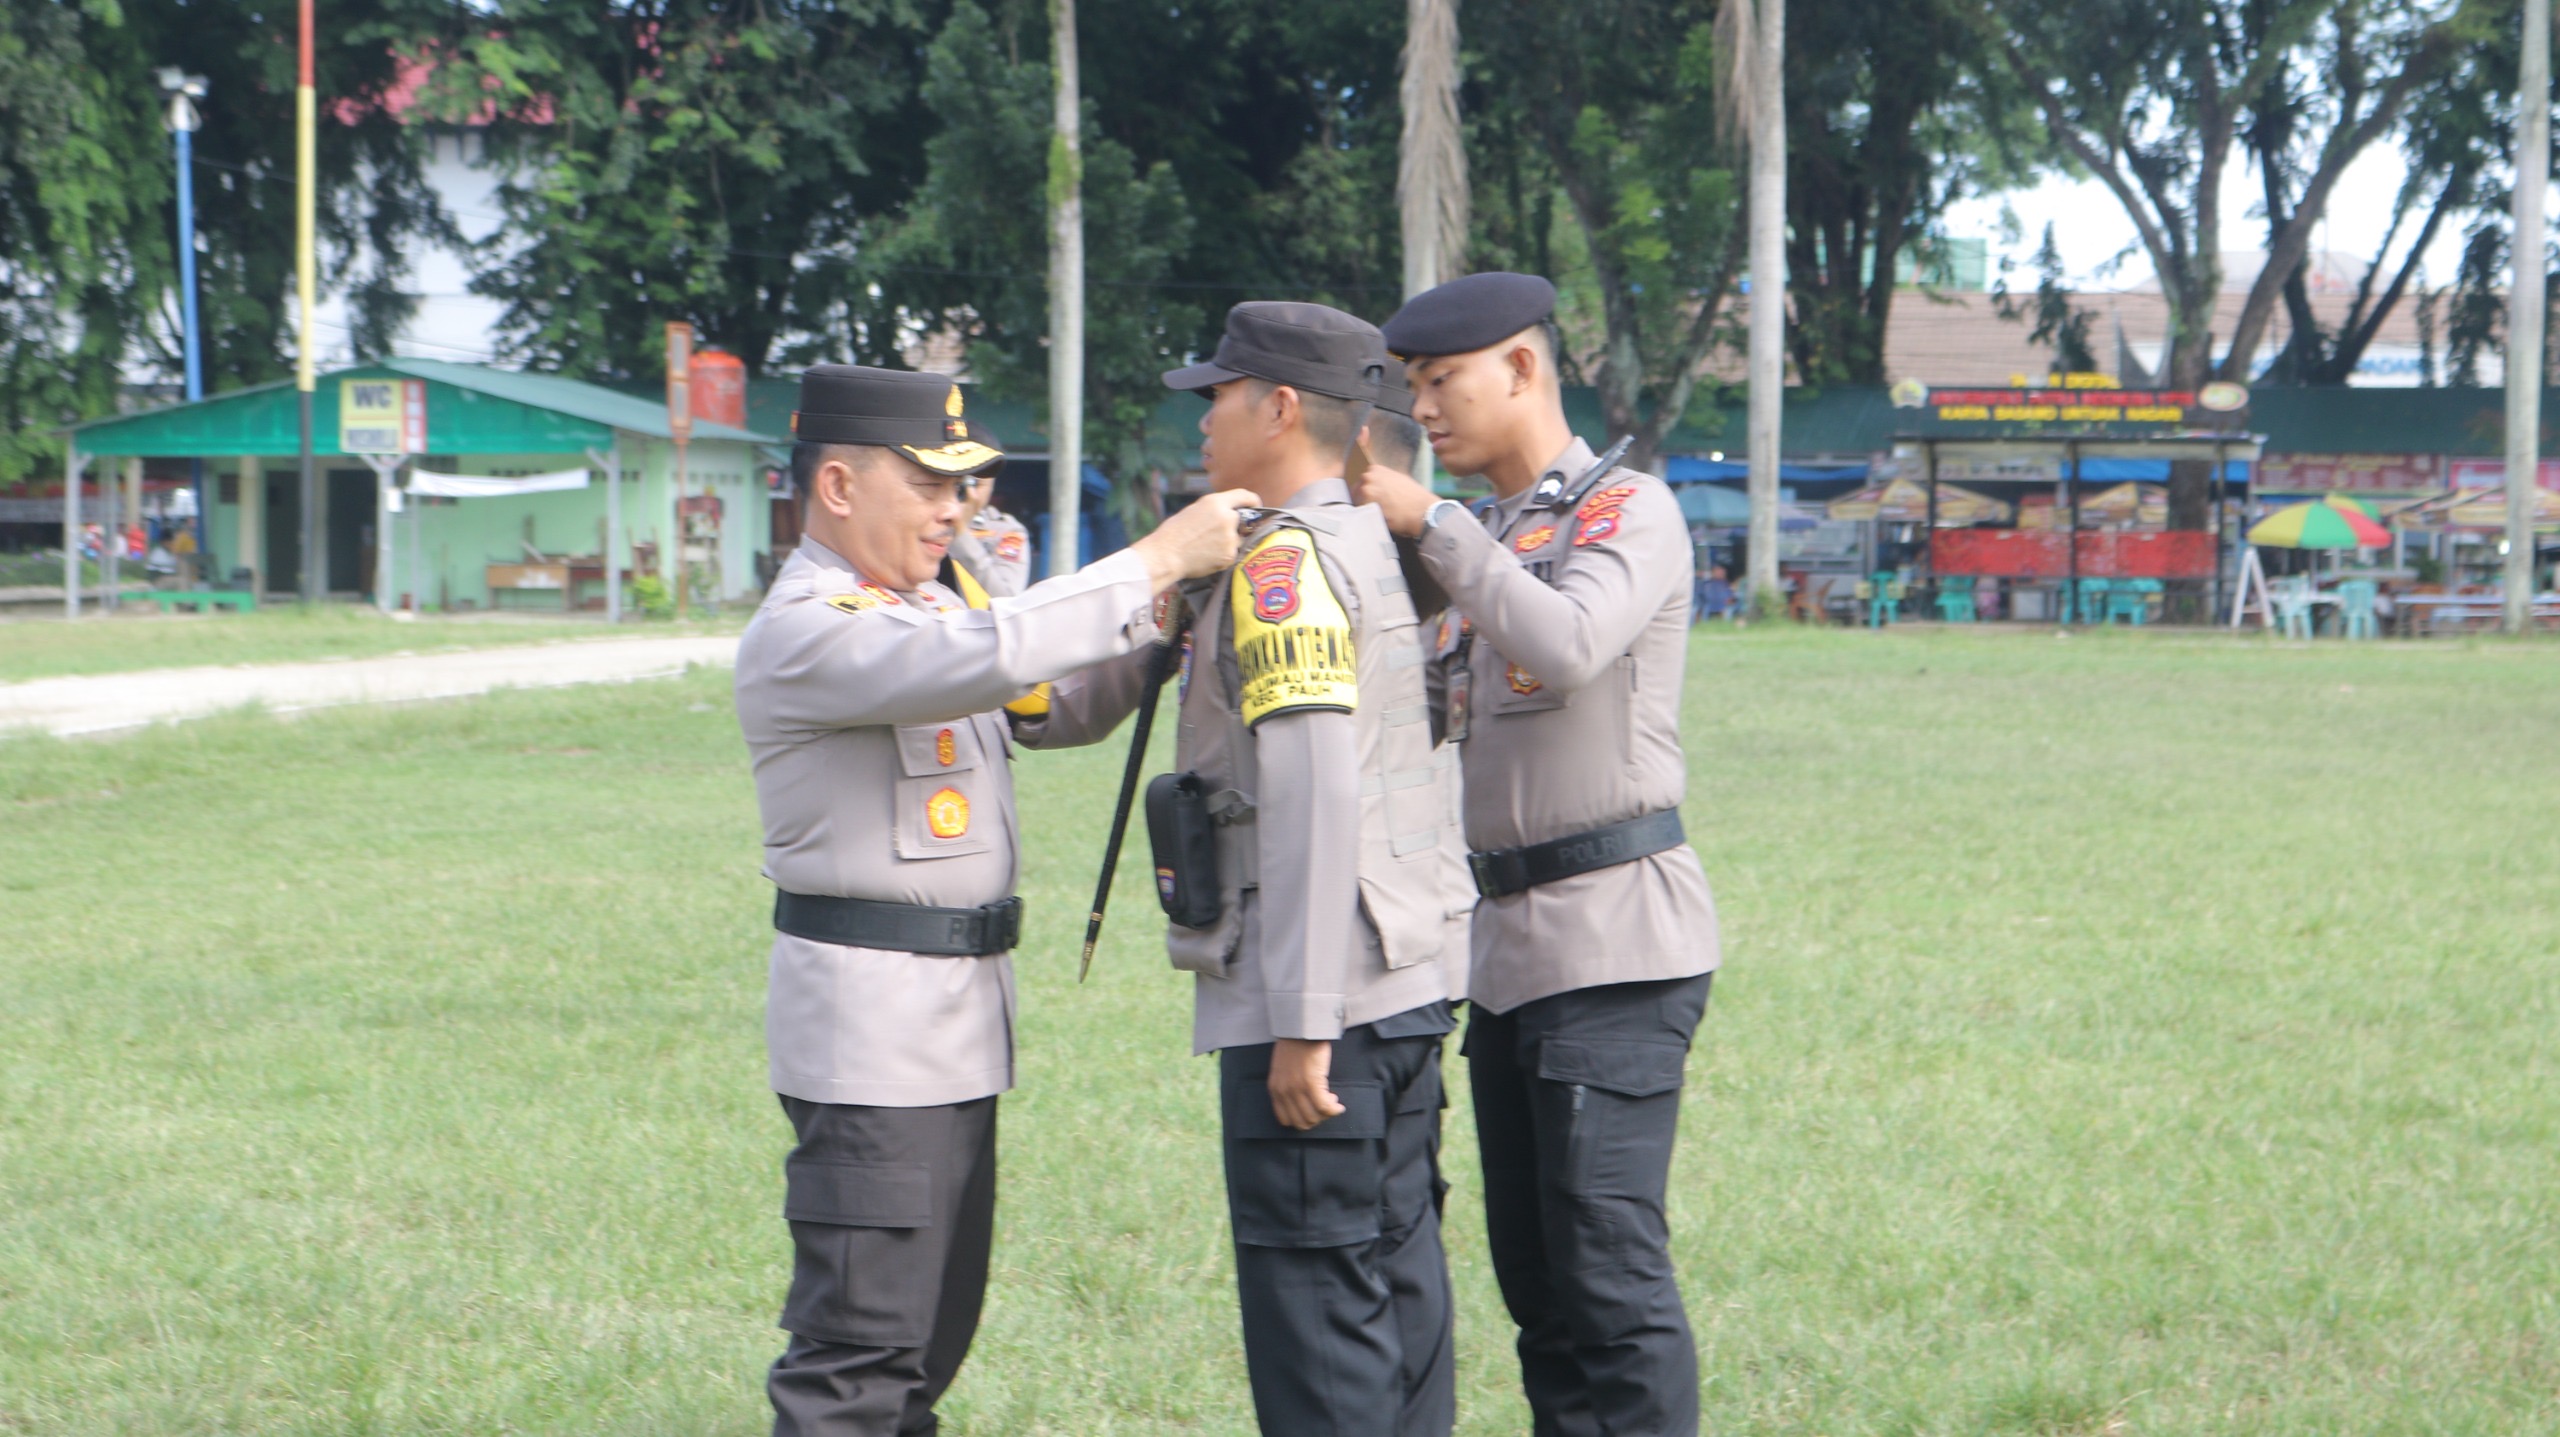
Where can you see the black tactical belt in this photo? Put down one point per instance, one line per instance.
(1506, 871)
(901, 927)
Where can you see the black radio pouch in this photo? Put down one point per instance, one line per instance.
(1185, 840)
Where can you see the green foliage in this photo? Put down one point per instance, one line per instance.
(652, 597)
(973, 253)
(718, 161)
(2059, 324)
(1619, 119)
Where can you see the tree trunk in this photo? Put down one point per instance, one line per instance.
(1066, 296)
(1768, 219)
(1431, 166)
(2524, 310)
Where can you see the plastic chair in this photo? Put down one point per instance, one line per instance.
(1955, 599)
(1882, 593)
(2092, 608)
(2129, 601)
(2355, 604)
(2292, 598)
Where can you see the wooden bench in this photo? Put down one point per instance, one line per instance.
(204, 600)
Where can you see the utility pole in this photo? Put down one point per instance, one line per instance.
(306, 284)
(1066, 294)
(2524, 312)
(1768, 216)
(184, 90)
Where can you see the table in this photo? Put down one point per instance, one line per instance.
(2426, 613)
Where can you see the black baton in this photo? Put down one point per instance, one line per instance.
(1160, 665)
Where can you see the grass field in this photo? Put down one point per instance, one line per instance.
(2120, 1034)
(42, 646)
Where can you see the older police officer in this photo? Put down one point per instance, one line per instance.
(870, 697)
(1595, 939)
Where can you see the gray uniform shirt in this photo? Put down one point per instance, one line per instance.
(996, 550)
(1305, 959)
(881, 771)
(1576, 626)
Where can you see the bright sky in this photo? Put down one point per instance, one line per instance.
(2092, 229)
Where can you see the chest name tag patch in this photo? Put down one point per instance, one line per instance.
(1602, 514)
(946, 814)
(1293, 637)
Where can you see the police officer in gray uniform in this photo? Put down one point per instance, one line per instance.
(993, 548)
(869, 695)
(1327, 926)
(1595, 940)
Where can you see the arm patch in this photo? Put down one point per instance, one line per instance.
(1293, 637)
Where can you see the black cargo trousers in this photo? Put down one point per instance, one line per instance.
(892, 1214)
(1339, 1270)
(1577, 1101)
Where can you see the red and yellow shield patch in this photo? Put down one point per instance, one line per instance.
(1272, 575)
(1520, 679)
(1009, 547)
(946, 814)
(1601, 514)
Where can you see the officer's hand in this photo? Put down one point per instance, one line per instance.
(1199, 539)
(975, 497)
(1401, 499)
(1300, 1096)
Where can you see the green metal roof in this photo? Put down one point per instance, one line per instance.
(471, 409)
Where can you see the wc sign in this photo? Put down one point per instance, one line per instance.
(382, 416)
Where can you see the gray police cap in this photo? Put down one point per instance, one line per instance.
(1305, 346)
(1465, 315)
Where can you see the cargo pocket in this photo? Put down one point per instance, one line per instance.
(1320, 1188)
(866, 1265)
(1622, 1099)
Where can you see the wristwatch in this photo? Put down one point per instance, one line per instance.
(1431, 516)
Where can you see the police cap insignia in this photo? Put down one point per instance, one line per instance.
(1468, 314)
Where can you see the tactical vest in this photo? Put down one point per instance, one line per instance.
(1414, 887)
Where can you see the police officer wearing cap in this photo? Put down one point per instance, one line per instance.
(993, 548)
(870, 695)
(1595, 937)
(1326, 920)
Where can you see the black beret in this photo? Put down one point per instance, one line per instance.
(1305, 346)
(919, 415)
(1395, 392)
(1465, 315)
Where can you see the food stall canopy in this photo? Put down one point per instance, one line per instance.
(1906, 501)
(2475, 509)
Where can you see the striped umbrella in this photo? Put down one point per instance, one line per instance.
(2318, 526)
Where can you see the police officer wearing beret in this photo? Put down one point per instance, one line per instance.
(1595, 937)
(1329, 932)
(870, 695)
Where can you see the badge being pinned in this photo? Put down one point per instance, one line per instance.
(1535, 539)
(946, 814)
(1601, 514)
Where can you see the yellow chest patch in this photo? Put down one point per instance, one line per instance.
(946, 814)
(945, 748)
(1535, 539)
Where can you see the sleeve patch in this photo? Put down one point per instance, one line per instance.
(1009, 548)
(1294, 647)
(867, 597)
(1601, 515)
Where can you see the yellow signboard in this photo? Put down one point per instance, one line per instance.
(382, 416)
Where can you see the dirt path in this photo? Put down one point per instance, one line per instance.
(104, 703)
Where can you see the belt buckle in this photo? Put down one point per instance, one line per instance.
(1499, 873)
